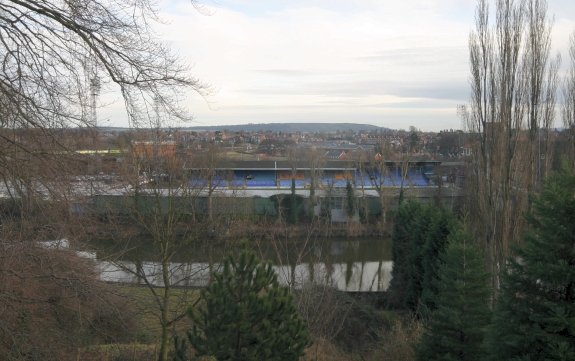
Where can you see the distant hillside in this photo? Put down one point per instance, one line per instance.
(277, 127)
(292, 127)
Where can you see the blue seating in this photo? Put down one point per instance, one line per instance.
(219, 183)
(237, 183)
(298, 183)
(417, 179)
(387, 182)
(395, 175)
(371, 173)
(379, 181)
(340, 183)
(201, 183)
(254, 183)
(260, 179)
(361, 180)
(197, 183)
(384, 181)
(302, 183)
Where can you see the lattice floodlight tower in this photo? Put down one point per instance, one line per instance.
(95, 87)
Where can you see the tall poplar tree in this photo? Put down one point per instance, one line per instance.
(535, 315)
(509, 118)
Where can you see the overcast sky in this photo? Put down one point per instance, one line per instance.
(391, 63)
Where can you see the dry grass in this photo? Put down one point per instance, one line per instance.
(119, 352)
(396, 343)
(324, 350)
(148, 310)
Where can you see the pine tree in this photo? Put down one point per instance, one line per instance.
(247, 315)
(455, 329)
(407, 214)
(535, 315)
(419, 236)
(419, 230)
(443, 222)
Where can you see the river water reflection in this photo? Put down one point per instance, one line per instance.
(350, 264)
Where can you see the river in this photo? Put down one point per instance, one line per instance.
(349, 264)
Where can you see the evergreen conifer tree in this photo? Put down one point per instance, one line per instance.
(419, 236)
(419, 230)
(535, 314)
(442, 223)
(247, 315)
(455, 329)
(405, 218)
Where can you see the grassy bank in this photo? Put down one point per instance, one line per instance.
(364, 330)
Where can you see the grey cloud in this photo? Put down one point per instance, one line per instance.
(454, 90)
(429, 121)
(418, 56)
(287, 72)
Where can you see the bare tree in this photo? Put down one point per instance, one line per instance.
(380, 164)
(172, 211)
(207, 167)
(293, 208)
(402, 162)
(50, 47)
(183, 211)
(539, 75)
(57, 57)
(363, 159)
(162, 208)
(316, 163)
(568, 106)
(52, 304)
(513, 85)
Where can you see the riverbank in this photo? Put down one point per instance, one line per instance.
(274, 229)
(251, 228)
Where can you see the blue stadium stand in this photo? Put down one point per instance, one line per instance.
(255, 183)
(219, 182)
(298, 183)
(341, 183)
(237, 183)
(386, 181)
(395, 175)
(417, 179)
(260, 179)
(359, 180)
(198, 183)
(302, 183)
